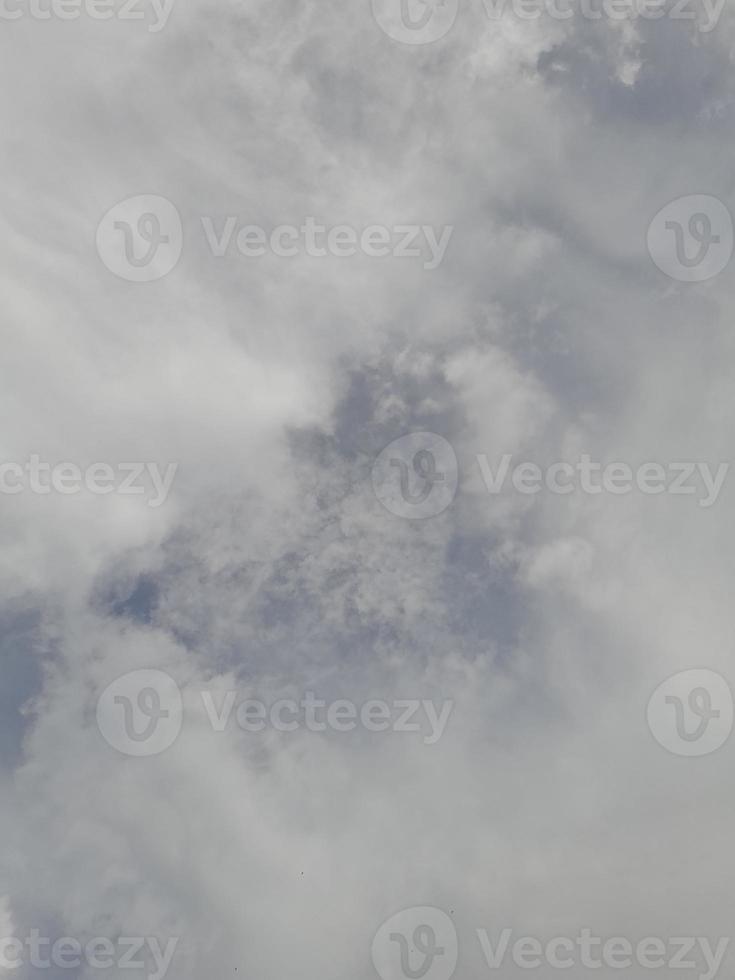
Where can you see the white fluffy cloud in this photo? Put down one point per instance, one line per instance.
(546, 332)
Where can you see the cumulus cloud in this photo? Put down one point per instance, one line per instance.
(273, 570)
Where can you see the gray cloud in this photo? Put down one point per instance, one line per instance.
(546, 332)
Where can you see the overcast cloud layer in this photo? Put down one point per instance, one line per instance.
(281, 560)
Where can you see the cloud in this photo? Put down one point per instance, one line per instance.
(546, 332)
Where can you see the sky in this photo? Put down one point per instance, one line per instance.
(292, 292)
